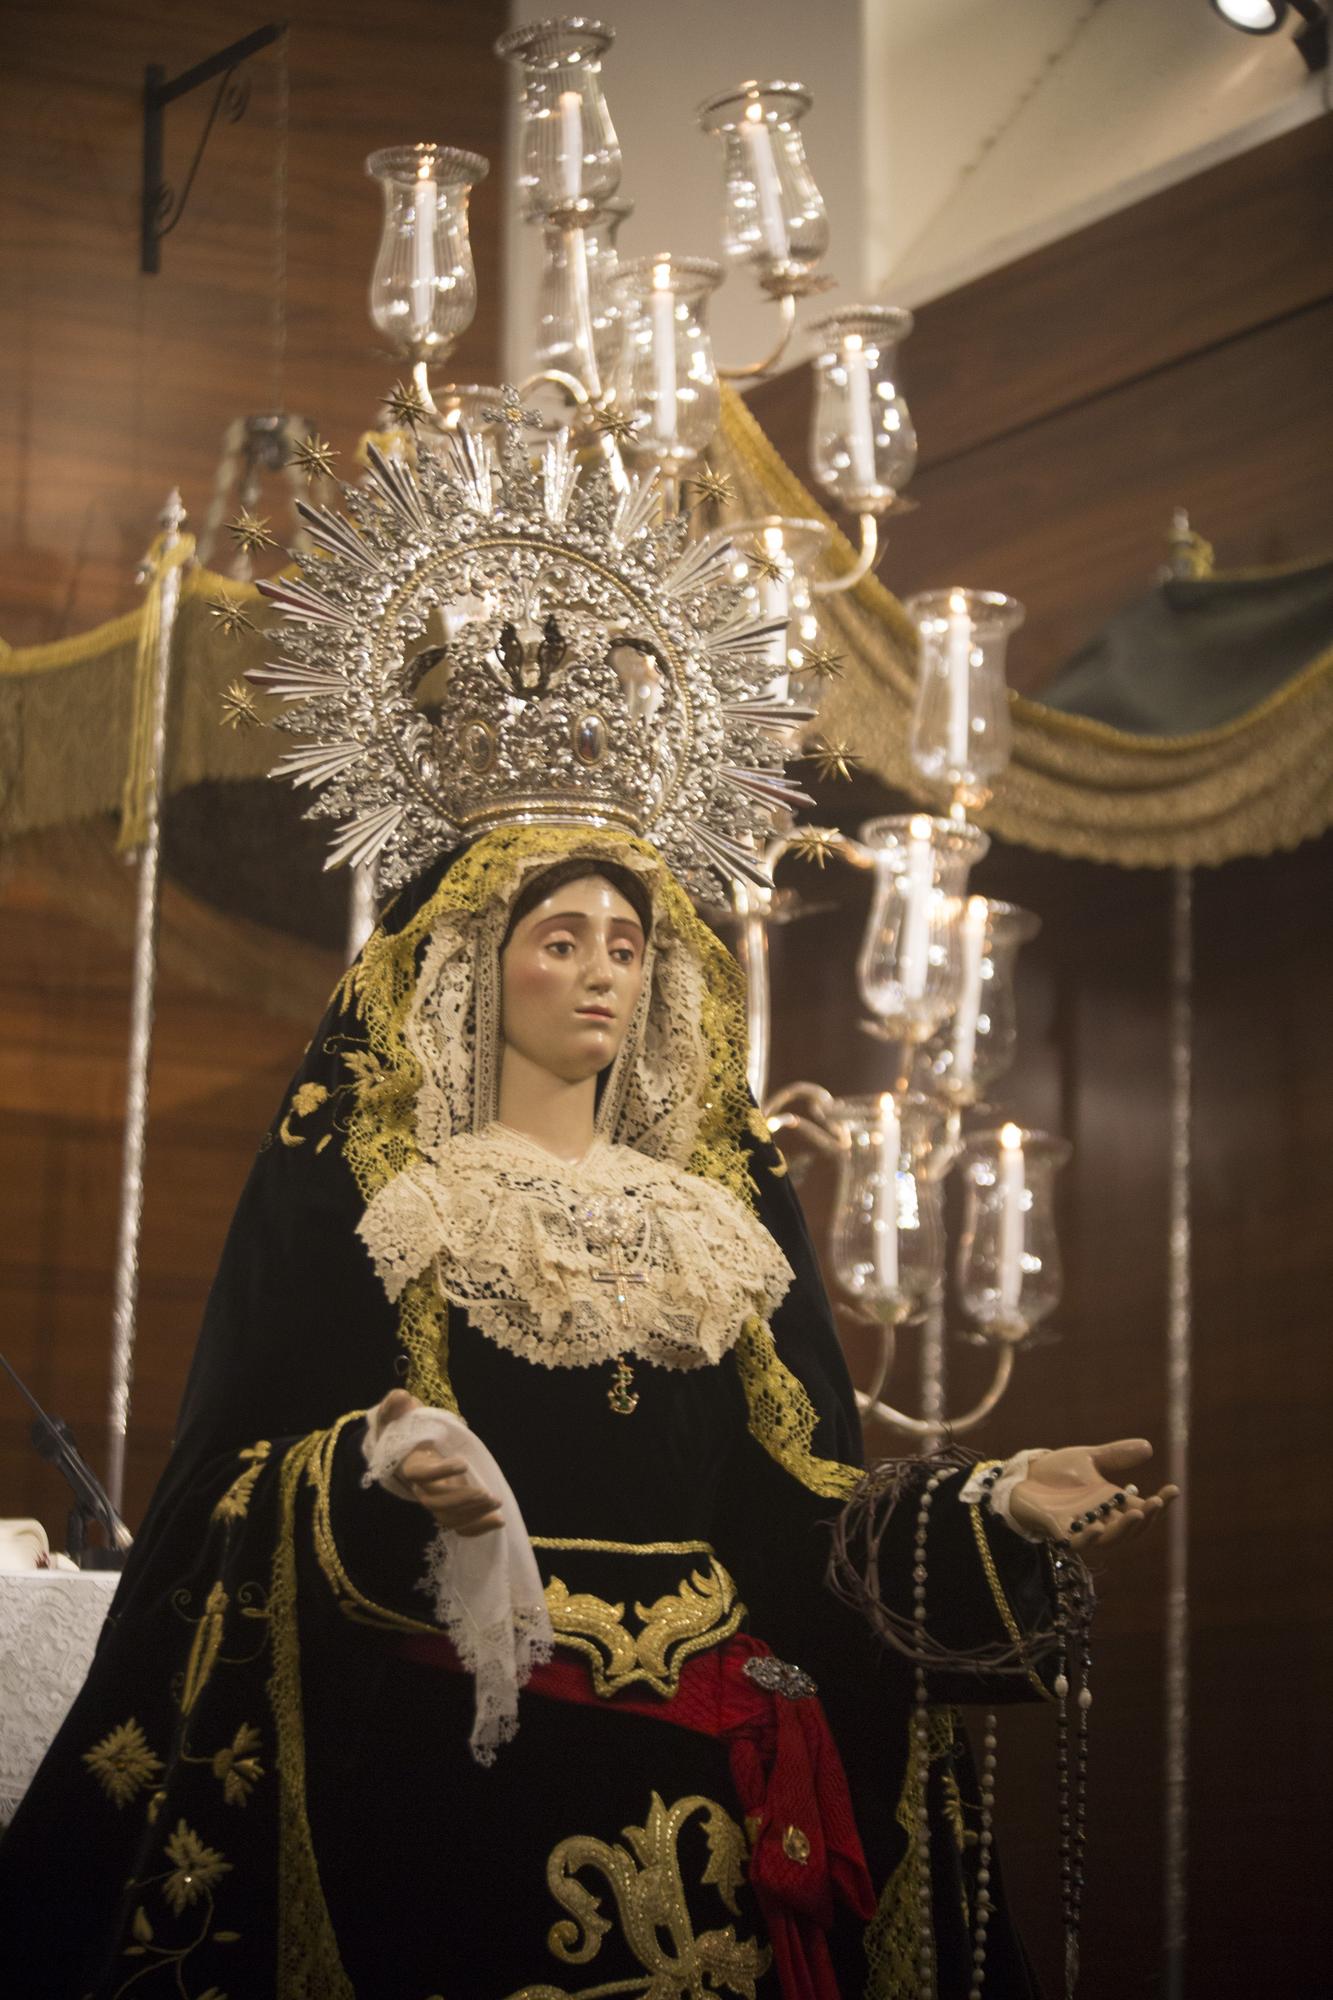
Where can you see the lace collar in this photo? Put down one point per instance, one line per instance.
(571, 1264)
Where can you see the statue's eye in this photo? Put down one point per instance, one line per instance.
(552, 649)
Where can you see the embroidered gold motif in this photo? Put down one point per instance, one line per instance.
(204, 1648)
(645, 1880)
(235, 1502)
(238, 1767)
(308, 1960)
(307, 1097)
(195, 1868)
(622, 1548)
(700, 1613)
(782, 1417)
(122, 1762)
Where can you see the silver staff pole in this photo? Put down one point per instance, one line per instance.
(143, 979)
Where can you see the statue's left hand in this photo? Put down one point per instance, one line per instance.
(1062, 1487)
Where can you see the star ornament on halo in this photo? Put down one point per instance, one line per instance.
(231, 616)
(238, 707)
(712, 488)
(614, 424)
(823, 663)
(765, 567)
(832, 760)
(314, 457)
(250, 532)
(814, 844)
(406, 406)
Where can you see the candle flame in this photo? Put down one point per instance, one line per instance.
(773, 541)
(852, 343)
(976, 909)
(754, 111)
(1011, 1138)
(920, 826)
(958, 604)
(662, 275)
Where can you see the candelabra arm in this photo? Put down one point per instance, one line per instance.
(874, 1406)
(576, 391)
(750, 373)
(860, 569)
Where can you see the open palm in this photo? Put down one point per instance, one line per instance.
(1063, 1487)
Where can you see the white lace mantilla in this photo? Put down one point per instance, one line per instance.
(572, 1264)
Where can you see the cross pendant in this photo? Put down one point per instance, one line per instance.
(621, 1277)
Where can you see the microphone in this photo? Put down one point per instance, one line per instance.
(54, 1441)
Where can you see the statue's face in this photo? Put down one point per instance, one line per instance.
(571, 976)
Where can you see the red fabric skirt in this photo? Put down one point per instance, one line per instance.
(805, 1852)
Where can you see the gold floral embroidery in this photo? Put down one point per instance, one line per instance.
(700, 1613)
(622, 1548)
(238, 1767)
(648, 1888)
(122, 1763)
(195, 1868)
(782, 1417)
(204, 1647)
(306, 1098)
(235, 1502)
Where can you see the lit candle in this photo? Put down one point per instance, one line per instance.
(958, 673)
(1012, 1226)
(767, 186)
(664, 352)
(969, 996)
(423, 254)
(918, 885)
(886, 1206)
(861, 434)
(571, 145)
(576, 254)
(775, 603)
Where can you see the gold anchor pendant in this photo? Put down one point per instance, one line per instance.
(620, 1396)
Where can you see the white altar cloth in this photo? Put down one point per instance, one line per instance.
(49, 1622)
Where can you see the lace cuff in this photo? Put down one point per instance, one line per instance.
(1014, 1470)
(486, 1589)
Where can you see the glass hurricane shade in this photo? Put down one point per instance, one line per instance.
(423, 292)
(666, 380)
(773, 214)
(569, 156)
(975, 1046)
(1009, 1273)
(910, 962)
(578, 313)
(862, 443)
(960, 724)
(888, 1224)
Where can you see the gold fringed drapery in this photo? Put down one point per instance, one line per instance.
(71, 735)
(1260, 783)
(74, 714)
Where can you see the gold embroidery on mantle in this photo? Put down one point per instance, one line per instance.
(622, 1548)
(204, 1647)
(783, 1418)
(122, 1762)
(700, 1613)
(235, 1502)
(645, 1880)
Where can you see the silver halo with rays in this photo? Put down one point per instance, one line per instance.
(482, 641)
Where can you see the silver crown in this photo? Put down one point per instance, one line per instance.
(488, 640)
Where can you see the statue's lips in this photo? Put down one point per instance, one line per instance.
(594, 1013)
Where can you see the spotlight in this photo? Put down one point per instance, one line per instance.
(1265, 17)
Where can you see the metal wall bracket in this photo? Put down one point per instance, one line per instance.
(161, 207)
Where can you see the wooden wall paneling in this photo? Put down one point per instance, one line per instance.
(115, 385)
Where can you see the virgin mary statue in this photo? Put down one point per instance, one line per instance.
(517, 1173)
(479, 1642)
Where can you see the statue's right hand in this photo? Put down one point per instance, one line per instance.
(443, 1486)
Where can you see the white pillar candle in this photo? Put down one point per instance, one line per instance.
(860, 423)
(886, 1208)
(958, 674)
(571, 145)
(576, 252)
(969, 994)
(664, 353)
(767, 186)
(1012, 1224)
(423, 257)
(917, 888)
